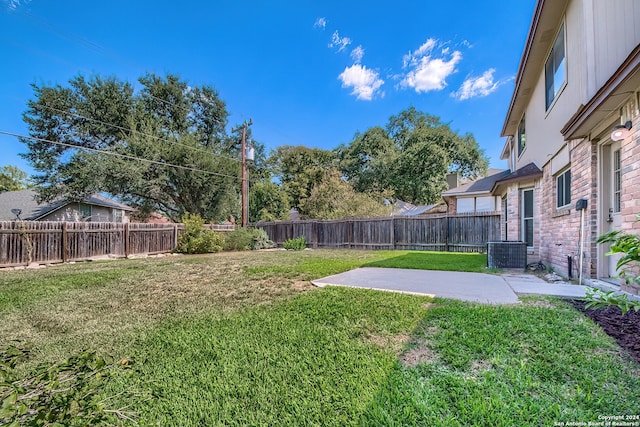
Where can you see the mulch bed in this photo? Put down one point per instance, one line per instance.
(624, 329)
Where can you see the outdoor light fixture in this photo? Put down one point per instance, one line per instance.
(620, 132)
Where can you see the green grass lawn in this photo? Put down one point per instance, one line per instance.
(244, 339)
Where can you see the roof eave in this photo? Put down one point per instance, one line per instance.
(614, 92)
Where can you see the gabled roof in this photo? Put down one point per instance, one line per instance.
(525, 173)
(25, 200)
(479, 186)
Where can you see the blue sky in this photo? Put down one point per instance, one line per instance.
(308, 73)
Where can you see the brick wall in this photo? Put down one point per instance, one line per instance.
(560, 228)
(452, 204)
(630, 201)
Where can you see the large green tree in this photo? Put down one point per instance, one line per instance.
(334, 198)
(167, 122)
(299, 169)
(267, 202)
(410, 157)
(12, 178)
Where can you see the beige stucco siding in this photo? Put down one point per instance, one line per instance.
(598, 38)
(616, 33)
(544, 139)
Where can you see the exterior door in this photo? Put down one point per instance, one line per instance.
(613, 201)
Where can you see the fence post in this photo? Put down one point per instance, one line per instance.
(65, 242)
(175, 236)
(126, 240)
(314, 234)
(447, 232)
(393, 233)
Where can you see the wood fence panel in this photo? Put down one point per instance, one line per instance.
(151, 238)
(88, 240)
(372, 233)
(429, 233)
(24, 242)
(332, 234)
(454, 233)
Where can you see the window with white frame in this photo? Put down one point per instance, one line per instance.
(555, 69)
(527, 217)
(465, 205)
(617, 182)
(563, 189)
(522, 136)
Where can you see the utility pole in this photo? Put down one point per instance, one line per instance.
(245, 183)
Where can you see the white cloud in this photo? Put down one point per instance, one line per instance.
(427, 70)
(340, 42)
(357, 54)
(474, 87)
(366, 83)
(320, 23)
(15, 4)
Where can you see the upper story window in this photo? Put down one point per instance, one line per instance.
(522, 136)
(555, 69)
(563, 189)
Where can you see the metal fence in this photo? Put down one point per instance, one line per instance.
(25, 242)
(449, 233)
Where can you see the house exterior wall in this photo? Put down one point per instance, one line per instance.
(598, 39)
(71, 213)
(560, 229)
(472, 204)
(630, 203)
(616, 32)
(543, 125)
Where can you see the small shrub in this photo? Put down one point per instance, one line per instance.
(629, 246)
(297, 244)
(246, 239)
(597, 299)
(261, 240)
(240, 239)
(197, 239)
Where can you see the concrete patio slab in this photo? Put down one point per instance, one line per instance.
(530, 284)
(473, 287)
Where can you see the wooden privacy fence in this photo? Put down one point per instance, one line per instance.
(450, 233)
(24, 242)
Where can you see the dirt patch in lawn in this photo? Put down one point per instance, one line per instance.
(415, 356)
(624, 329)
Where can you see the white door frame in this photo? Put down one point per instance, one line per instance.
(608, 220)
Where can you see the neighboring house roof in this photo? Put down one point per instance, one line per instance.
(25, 200)
(479, 186)
(407, 209)
(527, 172)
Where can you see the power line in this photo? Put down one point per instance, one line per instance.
(137, 131)
(111, 153)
